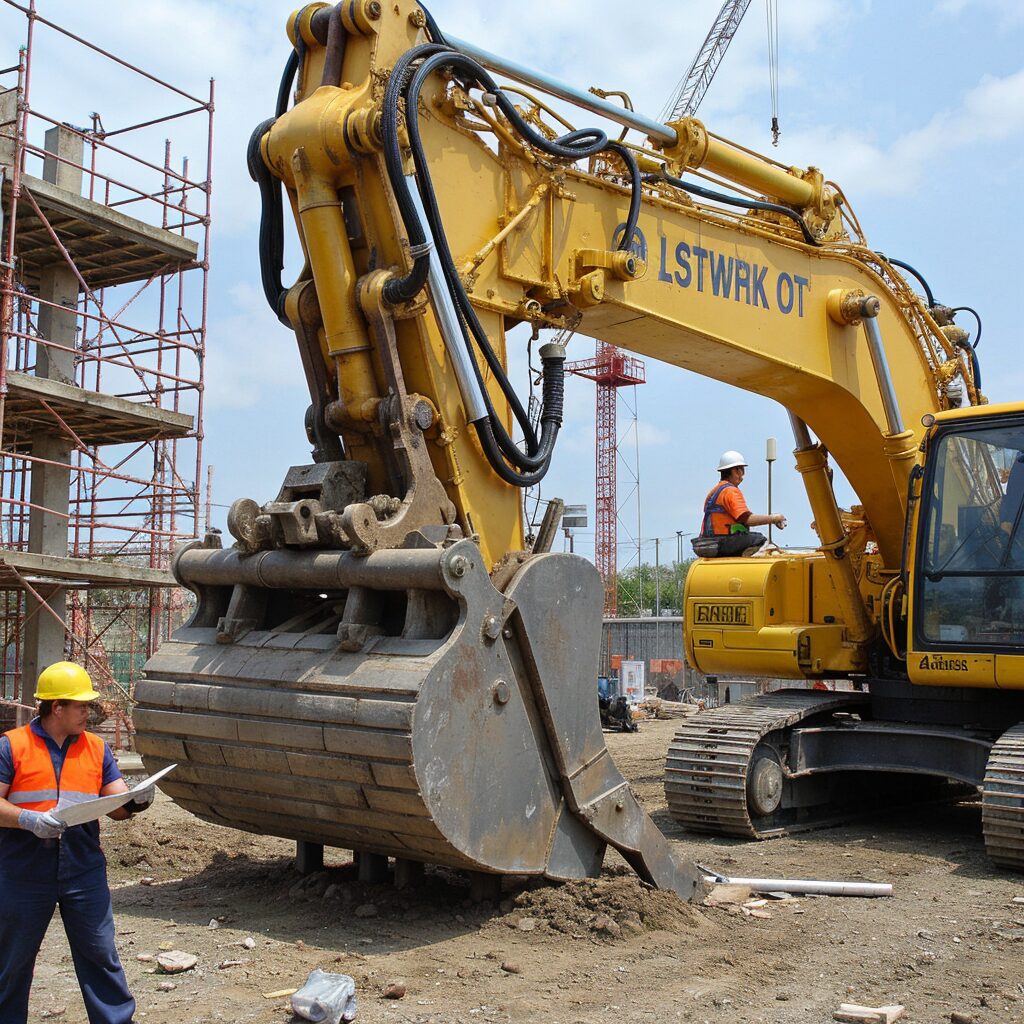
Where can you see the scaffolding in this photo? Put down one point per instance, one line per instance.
(103, 308)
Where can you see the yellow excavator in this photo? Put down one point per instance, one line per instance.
(386, 660)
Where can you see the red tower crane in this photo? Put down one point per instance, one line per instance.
(610, 370)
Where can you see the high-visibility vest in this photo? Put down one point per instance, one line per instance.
(35, 786)
(712, 505)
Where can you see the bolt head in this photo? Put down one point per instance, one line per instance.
(373, 9)
(501, 692)
(459, 565)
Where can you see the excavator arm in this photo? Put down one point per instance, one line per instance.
(765, 302)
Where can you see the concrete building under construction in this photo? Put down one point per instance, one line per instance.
(103, 284)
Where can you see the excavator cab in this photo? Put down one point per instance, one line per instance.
(966, 601)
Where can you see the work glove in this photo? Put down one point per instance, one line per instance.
(41, 823)
(141, 800)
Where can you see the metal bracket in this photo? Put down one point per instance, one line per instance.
(407, 417)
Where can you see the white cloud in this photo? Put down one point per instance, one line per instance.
(990, 114)
(1008, 13)
(649, 434)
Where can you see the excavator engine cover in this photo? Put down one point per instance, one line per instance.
(753, 616)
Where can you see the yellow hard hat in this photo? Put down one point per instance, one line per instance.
(64, 680)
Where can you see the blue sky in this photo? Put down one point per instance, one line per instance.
(915, 108)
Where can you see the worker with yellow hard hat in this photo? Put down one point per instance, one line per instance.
(45, 767)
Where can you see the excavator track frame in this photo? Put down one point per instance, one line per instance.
(711, 757)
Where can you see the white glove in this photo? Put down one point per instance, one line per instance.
(41, 823)
(141, 800)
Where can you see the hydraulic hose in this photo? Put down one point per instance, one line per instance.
(748, 204)
(497, 444)
(920, 277)
(436, 35)
(404, 289)
(975, 363)
(553, 362)
(271, 236)
(977, 317)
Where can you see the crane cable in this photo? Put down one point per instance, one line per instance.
(772, 14)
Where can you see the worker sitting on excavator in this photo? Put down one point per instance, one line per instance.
(725, 529)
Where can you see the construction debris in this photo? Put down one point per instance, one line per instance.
(656, 707)
(281, 993)
(325, 998)
(174, 961)
(854, 1013)
(802, 886)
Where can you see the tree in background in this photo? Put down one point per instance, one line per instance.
(638, 588)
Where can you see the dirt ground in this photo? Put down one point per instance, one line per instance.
(949, 940)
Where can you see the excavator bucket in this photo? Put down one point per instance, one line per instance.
(397, 704)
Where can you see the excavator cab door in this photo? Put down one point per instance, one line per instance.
(967, 561)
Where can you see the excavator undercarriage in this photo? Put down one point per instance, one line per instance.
(793, 760)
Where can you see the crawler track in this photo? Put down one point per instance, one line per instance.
(710, 758)
(1002, 800)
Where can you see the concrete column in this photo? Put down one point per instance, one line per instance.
(51, 484)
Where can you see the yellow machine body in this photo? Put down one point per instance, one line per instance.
(385, 625)
(965, 602)
(775, 616)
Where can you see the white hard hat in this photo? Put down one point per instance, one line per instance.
(730, 460)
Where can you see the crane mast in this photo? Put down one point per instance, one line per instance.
(694, 84)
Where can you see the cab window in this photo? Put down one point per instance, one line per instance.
(971, 583)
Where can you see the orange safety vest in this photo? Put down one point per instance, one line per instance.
(35, 786)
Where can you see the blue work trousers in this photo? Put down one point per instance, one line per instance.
(26, 906)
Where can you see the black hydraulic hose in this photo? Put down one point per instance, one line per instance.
(524, 460)
(574, 145)
(910, 270)
(749, 204)
(527, 467)
(271, 236)
(436, 35)
(975, 364)
(538, 452)
(404, 289)
(285, 89)
(554, 396)
(626, 155)
(334, 48)
(977, 317)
